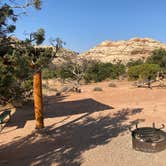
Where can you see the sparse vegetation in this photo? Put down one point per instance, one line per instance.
(18, 57)
(135, 63)
(158, 57)
(73, 71)
(100, 71)
(97, 89)
(144, 71)
(111, 84)
(49, 73)
(156, 63)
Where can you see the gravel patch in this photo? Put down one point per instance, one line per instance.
(119, 152)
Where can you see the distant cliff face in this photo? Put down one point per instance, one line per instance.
(125, 50)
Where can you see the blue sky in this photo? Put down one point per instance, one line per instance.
(82, 24)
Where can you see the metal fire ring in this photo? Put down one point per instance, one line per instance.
(148, 139)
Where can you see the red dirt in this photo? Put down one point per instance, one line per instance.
(89, 128)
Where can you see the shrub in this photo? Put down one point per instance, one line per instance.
(119, 70)
(64, 72)
(92, 73)
(135, 63)
(48, 73)
(100, 71)
(158, 57)
(111, 84)
(144, 71)
(97, 89)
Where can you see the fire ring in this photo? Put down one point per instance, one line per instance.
(148, 139)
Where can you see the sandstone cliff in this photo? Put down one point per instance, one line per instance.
(125, 50)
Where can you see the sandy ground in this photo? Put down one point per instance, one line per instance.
(86, 129)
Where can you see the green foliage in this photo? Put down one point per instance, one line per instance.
(18, 57)
(144, 71)
(119, 69)
(100, 71)
(90, 71)
(134, 63)
(64, 72)
(158, 57)
(48, 73)
(6, 15)
(37, 37)
(14, 72)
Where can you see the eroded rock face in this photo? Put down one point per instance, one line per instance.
(125, 50)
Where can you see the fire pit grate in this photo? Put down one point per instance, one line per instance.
(148, 139)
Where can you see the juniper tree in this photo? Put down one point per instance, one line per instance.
(14, 54)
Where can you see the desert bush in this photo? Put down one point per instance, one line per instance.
(64, 72)
(144, 71)
(90, 71)
(100, 71)
(158, 57)
(97, 89)
(111, 84)
(119, 69)
(135, 63)
(48, 73)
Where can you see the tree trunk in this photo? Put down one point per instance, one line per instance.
(38, 100)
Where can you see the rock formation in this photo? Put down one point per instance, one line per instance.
(124, 51)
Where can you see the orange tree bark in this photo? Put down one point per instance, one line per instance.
(38, 100)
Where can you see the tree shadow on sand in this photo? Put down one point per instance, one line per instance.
(56, 107)
(64, 145)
